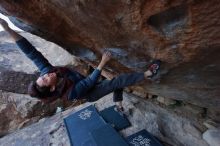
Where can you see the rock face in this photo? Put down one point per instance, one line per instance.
(164, 124)
(185, 35)
(19, 110)
(12, 59)
(212, 136)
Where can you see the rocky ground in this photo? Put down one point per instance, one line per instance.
(169, 127)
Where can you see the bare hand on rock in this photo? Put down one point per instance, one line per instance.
(4, 24)
(106, 56)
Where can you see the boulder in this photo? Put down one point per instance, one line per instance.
(183, 34)
(18, 110)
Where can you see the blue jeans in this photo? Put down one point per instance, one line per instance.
(115, 85)
(84, 85)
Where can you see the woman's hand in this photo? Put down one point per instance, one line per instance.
(106, 56)
(4, 24)
(13, 33)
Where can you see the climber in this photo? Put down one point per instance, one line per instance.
(61, 82)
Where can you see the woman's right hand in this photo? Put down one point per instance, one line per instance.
(106, 56)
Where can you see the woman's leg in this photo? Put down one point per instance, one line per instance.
(118, 98)
(84, 85)
(118, 95)
(107, 86)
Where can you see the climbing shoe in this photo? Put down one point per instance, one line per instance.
(154, 68)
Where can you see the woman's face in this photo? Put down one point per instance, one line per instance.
(47, 80)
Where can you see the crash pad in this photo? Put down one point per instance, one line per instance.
(80, 124)
(142, 138)
(116, 119)
(108, 136)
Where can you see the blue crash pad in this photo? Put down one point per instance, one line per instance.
(107, 136)
(112, 117)
(142, 138)
(80, 124)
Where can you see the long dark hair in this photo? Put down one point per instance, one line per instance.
(34, 90)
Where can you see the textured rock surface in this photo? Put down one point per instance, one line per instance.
(212, 136)
(12, 59)
(185, 35)
(164, 124)
(18, 110)
(16, 82)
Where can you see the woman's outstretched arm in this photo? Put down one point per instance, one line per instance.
(29, 50)
(83, 86)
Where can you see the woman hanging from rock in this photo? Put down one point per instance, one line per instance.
(61, 82)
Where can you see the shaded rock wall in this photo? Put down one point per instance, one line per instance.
(185, 35)
(16, 82)
(19, 110)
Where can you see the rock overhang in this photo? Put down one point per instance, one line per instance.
(184, 35)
